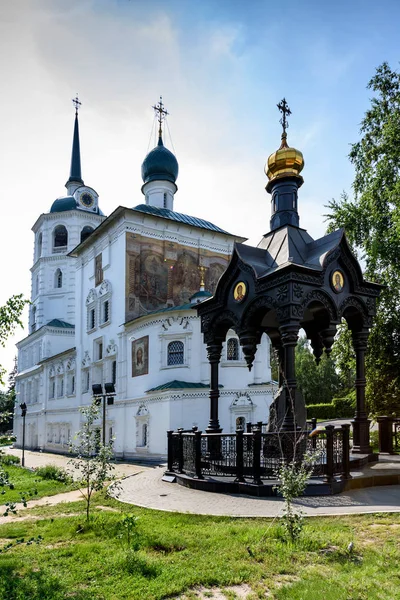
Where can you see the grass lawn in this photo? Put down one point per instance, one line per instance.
(27, 481)
(177, 552)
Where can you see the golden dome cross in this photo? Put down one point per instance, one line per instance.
(283, 107)
(162, 113)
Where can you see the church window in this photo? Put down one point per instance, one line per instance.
(98, 269)
(232, 349)
(58, 279)
(86, 231)
(175, 353)
(165, 200)
(37, 285)
(106, 311)
(114, 372)
(92, 319)
(144, 434)
(33, 326)
(60, 387)
(39, 245)
(52, 388)
(86, 381)
(60, 237)
(99, 350)
(71, 384)
(240, 423)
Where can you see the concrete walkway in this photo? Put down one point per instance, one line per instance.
(40, 459)
(148, 490)
(143, 486)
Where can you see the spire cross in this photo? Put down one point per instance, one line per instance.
(162, 113)
(77, 103)
(285, 110)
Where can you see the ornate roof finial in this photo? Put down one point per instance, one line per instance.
(283, 107)
(162, 113)
(77, 103)
(202, 278)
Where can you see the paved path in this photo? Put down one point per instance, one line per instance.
(148, 490)
(143, 486)
(40, 459)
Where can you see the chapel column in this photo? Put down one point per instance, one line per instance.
(289, 337)
(214, 350)
(360, 422)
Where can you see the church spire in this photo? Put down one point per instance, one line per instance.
(75, 175)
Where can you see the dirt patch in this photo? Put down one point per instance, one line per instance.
(234, 592)
(108, 509)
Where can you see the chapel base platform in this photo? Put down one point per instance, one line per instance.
(367, 470)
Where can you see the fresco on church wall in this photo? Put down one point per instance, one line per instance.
(140, 356)
(161, 273)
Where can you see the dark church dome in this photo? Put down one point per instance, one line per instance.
(63, 204)
(160, 165)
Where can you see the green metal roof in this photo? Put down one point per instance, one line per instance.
(179, 385)
(60, 323)
(165, 213)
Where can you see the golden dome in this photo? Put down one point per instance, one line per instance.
(285, 162)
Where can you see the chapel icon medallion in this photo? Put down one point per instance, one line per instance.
(337, 281)
(240, 291)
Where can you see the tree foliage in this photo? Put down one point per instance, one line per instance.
(93, 460)
(318, 383)
(10, 318)
(372, 223)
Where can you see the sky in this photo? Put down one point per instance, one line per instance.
(221, 67)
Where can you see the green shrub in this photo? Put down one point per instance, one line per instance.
(9, 459)
(321, 411)
(7, 440)
(344, 407)
(54, 473)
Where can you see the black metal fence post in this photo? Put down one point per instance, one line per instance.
(239, 456)
(330, 463)
(197, 454)
(385, 426)
(346, 450)
(180, 450)
(257, 457)
(248, 427)
(170, 459)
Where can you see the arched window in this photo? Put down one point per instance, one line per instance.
(144, 434)
(58, 279)
(39, 246)
(175, 353)
(232, 349)
(37, 285)
(86, 231)
(240, 423)
(60, 237)
(165, 200)
(33, 326)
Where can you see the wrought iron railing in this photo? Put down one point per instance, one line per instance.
(258, 455)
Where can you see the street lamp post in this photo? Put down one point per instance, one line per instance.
(107, 395)
(23, 414)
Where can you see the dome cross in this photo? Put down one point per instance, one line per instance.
(162, 113)
(77, 103)
(283, 107)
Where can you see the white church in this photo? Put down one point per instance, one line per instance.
(113, 303)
